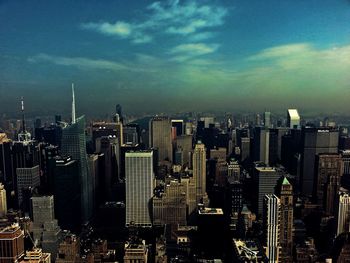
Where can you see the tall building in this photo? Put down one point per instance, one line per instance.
(315, 141)
(265, 180)
(286, 234)
(67, 193)
(3, 201)
(327, 181)
(45, 228)
(160, 137)
(200, 171)
(184, 142)
(267, 119)
(179, 125)
(139, 180)
(272, 211)
(293, 119)
(11, 243)
(343, 213)
(74, 144)
(27, 178)
(5, 158)
(261, 144)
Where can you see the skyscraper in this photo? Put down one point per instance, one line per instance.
(11, 243)
(3, 201)
(286, 234)
(343, 213)
(74, 145)
(45, 228)
(139, 180)
(261, 144)
(160, 137)
(315, 141)
(200, 171)
(267, 119)
(293, 119)
(27, 178)
(272, 211)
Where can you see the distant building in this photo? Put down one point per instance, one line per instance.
(267, 119)
(271, 219)
(160, 137)
(261, 144)
(293, 119)
(139, 180)
(199, 171)
(179, 126)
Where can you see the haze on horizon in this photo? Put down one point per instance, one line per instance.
(175, 55)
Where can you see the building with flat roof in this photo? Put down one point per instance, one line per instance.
(293, 119)
(11, 243)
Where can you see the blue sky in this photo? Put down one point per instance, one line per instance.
(175, 55)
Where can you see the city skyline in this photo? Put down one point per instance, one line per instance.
(175, 55)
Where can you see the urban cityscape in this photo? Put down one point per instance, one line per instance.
(174, 131)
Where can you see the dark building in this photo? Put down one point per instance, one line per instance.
(315, 141)
(67, 193)
(179, 125)
(51, 134)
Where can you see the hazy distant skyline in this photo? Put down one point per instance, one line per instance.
(175, 55)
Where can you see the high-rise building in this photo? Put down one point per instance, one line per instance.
(261, 144)
(315, 141)
(135, 251)
(170, 208)
(3, 201)
(343, 213)
(139, 180)
(5, 158)
(267, 119)
(286, 234)
(272, 211)
(265, 181)
(160, 137)
(184, 142)
(293, 119)
(45, 229)
(74, 144)
(11, 243)
(327, 181)
(245, 148)
(179, 125)
(200, 171)
(67, 193)
(27, 178)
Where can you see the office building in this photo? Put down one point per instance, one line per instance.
(160, 137)
(179, 126)
(327, 181)
(265, 181)
(45, 228)
(267, 119)
(343, 212)
(69, 249)
(271, 219)
(314, 142)
(286, 231)
(139, 180)
(74, 145)
(11, 243)
(5, 158)
(200, 171)
(27, 178)
(293, 119)
(67, 193)
(261, 142)
(3, 201)
(184, 142)
(36, 256)
(131, 134)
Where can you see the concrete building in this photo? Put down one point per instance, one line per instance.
(293, 119)
(3, 201)
(160, 137)
(11, 243)
(136, 251)
(271, 219)
(343, 212)
(140, 182)
(200, 171)
(45, 228)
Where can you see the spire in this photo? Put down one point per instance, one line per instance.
(73, 105)
(285, 181)
(23, 121)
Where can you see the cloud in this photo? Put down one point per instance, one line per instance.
(184, 52)
(81, 62)
(191, 19)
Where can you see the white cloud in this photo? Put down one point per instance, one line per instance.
(191, 19)
(185, 52)
(81, 62)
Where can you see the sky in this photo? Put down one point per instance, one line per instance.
(172, 55)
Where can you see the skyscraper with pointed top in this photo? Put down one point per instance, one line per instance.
(74, 145)
(23, 135)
